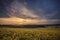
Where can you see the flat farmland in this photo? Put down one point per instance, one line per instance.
(29, 33)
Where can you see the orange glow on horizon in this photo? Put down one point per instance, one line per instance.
(22, 21)
(16, 21)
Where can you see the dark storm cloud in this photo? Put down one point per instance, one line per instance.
(41, 7)
(3, 5)
(48, 8)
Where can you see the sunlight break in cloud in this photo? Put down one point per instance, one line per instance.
(21, 21)
(19, 14)
(16, 14)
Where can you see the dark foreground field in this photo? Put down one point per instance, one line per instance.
(29, 33)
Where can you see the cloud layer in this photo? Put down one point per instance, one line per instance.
(28, 12)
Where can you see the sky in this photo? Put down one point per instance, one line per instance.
(20, 12)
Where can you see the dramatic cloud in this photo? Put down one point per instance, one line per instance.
(23, 12)
(20, 10)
